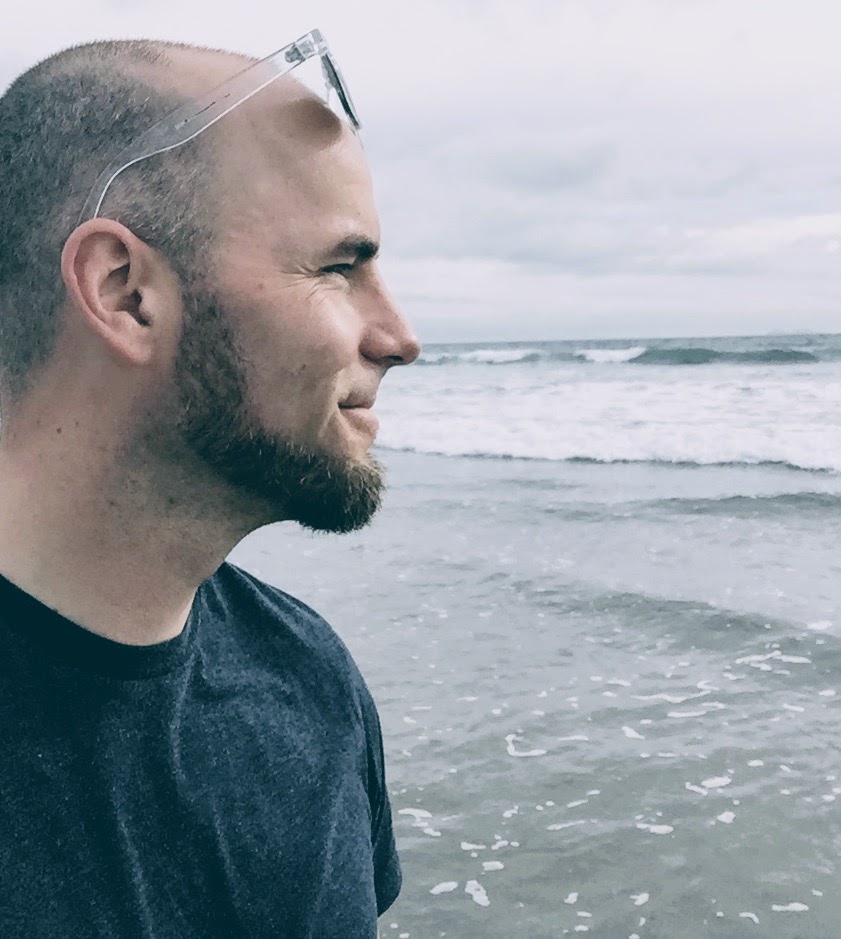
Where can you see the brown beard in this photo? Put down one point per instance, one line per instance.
(321, 491)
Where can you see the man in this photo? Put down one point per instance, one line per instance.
(191, 342)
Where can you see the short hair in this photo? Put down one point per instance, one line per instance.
(61, 123)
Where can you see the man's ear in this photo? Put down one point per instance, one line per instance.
(121, 289)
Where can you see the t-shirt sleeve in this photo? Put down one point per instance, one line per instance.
(388, 876)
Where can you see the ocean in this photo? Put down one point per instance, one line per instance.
(599, 612)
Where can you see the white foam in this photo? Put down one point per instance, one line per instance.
(640, 898)
(700, 416)
(446, 886)
(820, 625)
(758, 657)
(421, 817)
(669, 698)
(497, 356)
(477, 892)
(415, 813)
(611, 356)
(512, 751)
(789, 908)
(433, 358)
(717, 782)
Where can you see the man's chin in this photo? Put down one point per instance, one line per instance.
(282, 481)
(337, 495)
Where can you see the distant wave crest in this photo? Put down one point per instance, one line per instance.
(610, 356)
(484, 357)
(778, 464)
(700, 356)
(685, 464)
(758, 506)
(636, 355)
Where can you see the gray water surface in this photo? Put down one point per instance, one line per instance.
(610, 693)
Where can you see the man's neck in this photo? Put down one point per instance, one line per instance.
(107, 550)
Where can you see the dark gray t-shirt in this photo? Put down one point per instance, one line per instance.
(228, 782)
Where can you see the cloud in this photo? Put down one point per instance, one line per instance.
(463, 300)
(806, 241)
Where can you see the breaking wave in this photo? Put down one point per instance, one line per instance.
(635, 355)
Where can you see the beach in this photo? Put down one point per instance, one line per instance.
(598, 612)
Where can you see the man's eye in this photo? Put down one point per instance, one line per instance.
(342, 269)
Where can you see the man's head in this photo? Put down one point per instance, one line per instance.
(231, 282)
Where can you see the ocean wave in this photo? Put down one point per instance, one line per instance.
(611, 356)
(758, 506)
(660, 611)
(676, 464)
(487, 356)
(692, 355)
(702, 464)
(635, 355)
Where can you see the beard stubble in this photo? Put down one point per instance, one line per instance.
(320, 490)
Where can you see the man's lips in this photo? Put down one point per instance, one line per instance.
(358, 409)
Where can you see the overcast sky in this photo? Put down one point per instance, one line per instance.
(565, 168)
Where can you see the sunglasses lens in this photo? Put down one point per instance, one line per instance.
(335, 81)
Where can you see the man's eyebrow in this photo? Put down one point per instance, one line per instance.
(358, 247)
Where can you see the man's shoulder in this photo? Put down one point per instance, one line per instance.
(234, 585)
(262, 615)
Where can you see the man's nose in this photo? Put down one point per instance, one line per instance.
(388, 336)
